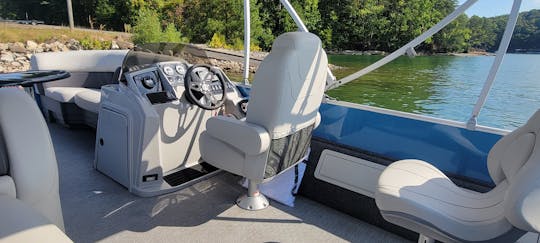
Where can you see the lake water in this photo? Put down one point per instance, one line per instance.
(446, 86)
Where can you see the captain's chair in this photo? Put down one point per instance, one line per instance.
(29, 196)
(283, 110)
(417, 196)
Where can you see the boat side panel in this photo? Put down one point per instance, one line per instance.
(454, 150)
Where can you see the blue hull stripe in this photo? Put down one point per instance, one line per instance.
(455, 150)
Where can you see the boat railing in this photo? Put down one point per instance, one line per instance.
(409, 48)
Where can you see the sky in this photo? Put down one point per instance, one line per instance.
(490, 8)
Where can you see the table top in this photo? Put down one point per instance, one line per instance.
(29, 78)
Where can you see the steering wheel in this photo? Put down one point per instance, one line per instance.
(202, 89)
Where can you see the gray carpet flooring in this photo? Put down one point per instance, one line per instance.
(96, 208)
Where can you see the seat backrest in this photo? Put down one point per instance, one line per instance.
(515, 159)
(89, 69)
(289, 85)
(30, 154)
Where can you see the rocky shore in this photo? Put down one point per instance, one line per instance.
(15, 57)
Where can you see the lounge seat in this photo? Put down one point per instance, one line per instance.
(29, 190)
(88, 99)
(416, 195)
(63, 94)
(283, 111)
(90, 70)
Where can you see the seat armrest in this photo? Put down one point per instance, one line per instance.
(246, 137)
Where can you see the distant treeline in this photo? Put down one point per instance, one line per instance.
(342, 24)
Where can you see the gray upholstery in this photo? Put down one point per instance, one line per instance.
(63, 94)
(285, 98)
(4, 163)
(79, 61)
(7, 186)
(88, 99)
(416, 195)
(90, 70)
(32, 161)
(22, 223)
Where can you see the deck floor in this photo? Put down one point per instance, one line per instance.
(96, 208)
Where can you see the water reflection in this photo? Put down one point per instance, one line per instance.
(446, 86)
(406, 84)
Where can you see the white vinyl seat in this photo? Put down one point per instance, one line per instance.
(416, 195)
(29, 190)
(63, 94)
(283, 110)
(88, 99)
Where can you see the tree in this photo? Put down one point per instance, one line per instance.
(455, 37)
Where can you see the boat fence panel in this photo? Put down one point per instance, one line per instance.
(399, 52)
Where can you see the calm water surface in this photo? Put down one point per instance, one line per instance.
(446, 86)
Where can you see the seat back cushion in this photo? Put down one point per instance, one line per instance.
(79, 61)
(289, 85)
(515, 158)
(32, 161)
(89, 69)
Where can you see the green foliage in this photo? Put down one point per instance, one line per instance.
(148, 29)
(341, 24)
(94, 44)
(171, 34)
(218, 41)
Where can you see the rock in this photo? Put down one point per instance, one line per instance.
(4, 46)
(124, 44)
(7, 57)
(17, 47)
(16, 64)
(31, 45)
(114, 45)
(2, 69)
(28, 56)
(73, 44)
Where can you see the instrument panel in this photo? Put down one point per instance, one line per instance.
(147, 82)
(158, 83)
(174, 72)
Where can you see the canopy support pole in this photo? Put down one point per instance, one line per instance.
(302, 27)
(247, 44)
(503, 47)
(399, 52)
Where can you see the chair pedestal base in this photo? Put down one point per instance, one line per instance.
(253, 200)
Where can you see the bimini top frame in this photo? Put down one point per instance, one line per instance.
(408, 48)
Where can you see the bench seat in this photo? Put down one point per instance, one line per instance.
(88, 99)
(63, 94)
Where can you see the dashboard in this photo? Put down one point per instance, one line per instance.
(158, 82)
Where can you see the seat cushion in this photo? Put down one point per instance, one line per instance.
(416, 195)
(21, 223)
(63, 94)
(88, 99)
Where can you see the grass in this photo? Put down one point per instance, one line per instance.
(10, 32)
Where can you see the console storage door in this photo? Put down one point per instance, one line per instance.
(112, 146)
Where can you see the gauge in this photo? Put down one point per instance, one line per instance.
(180, 69)
(168, 70)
